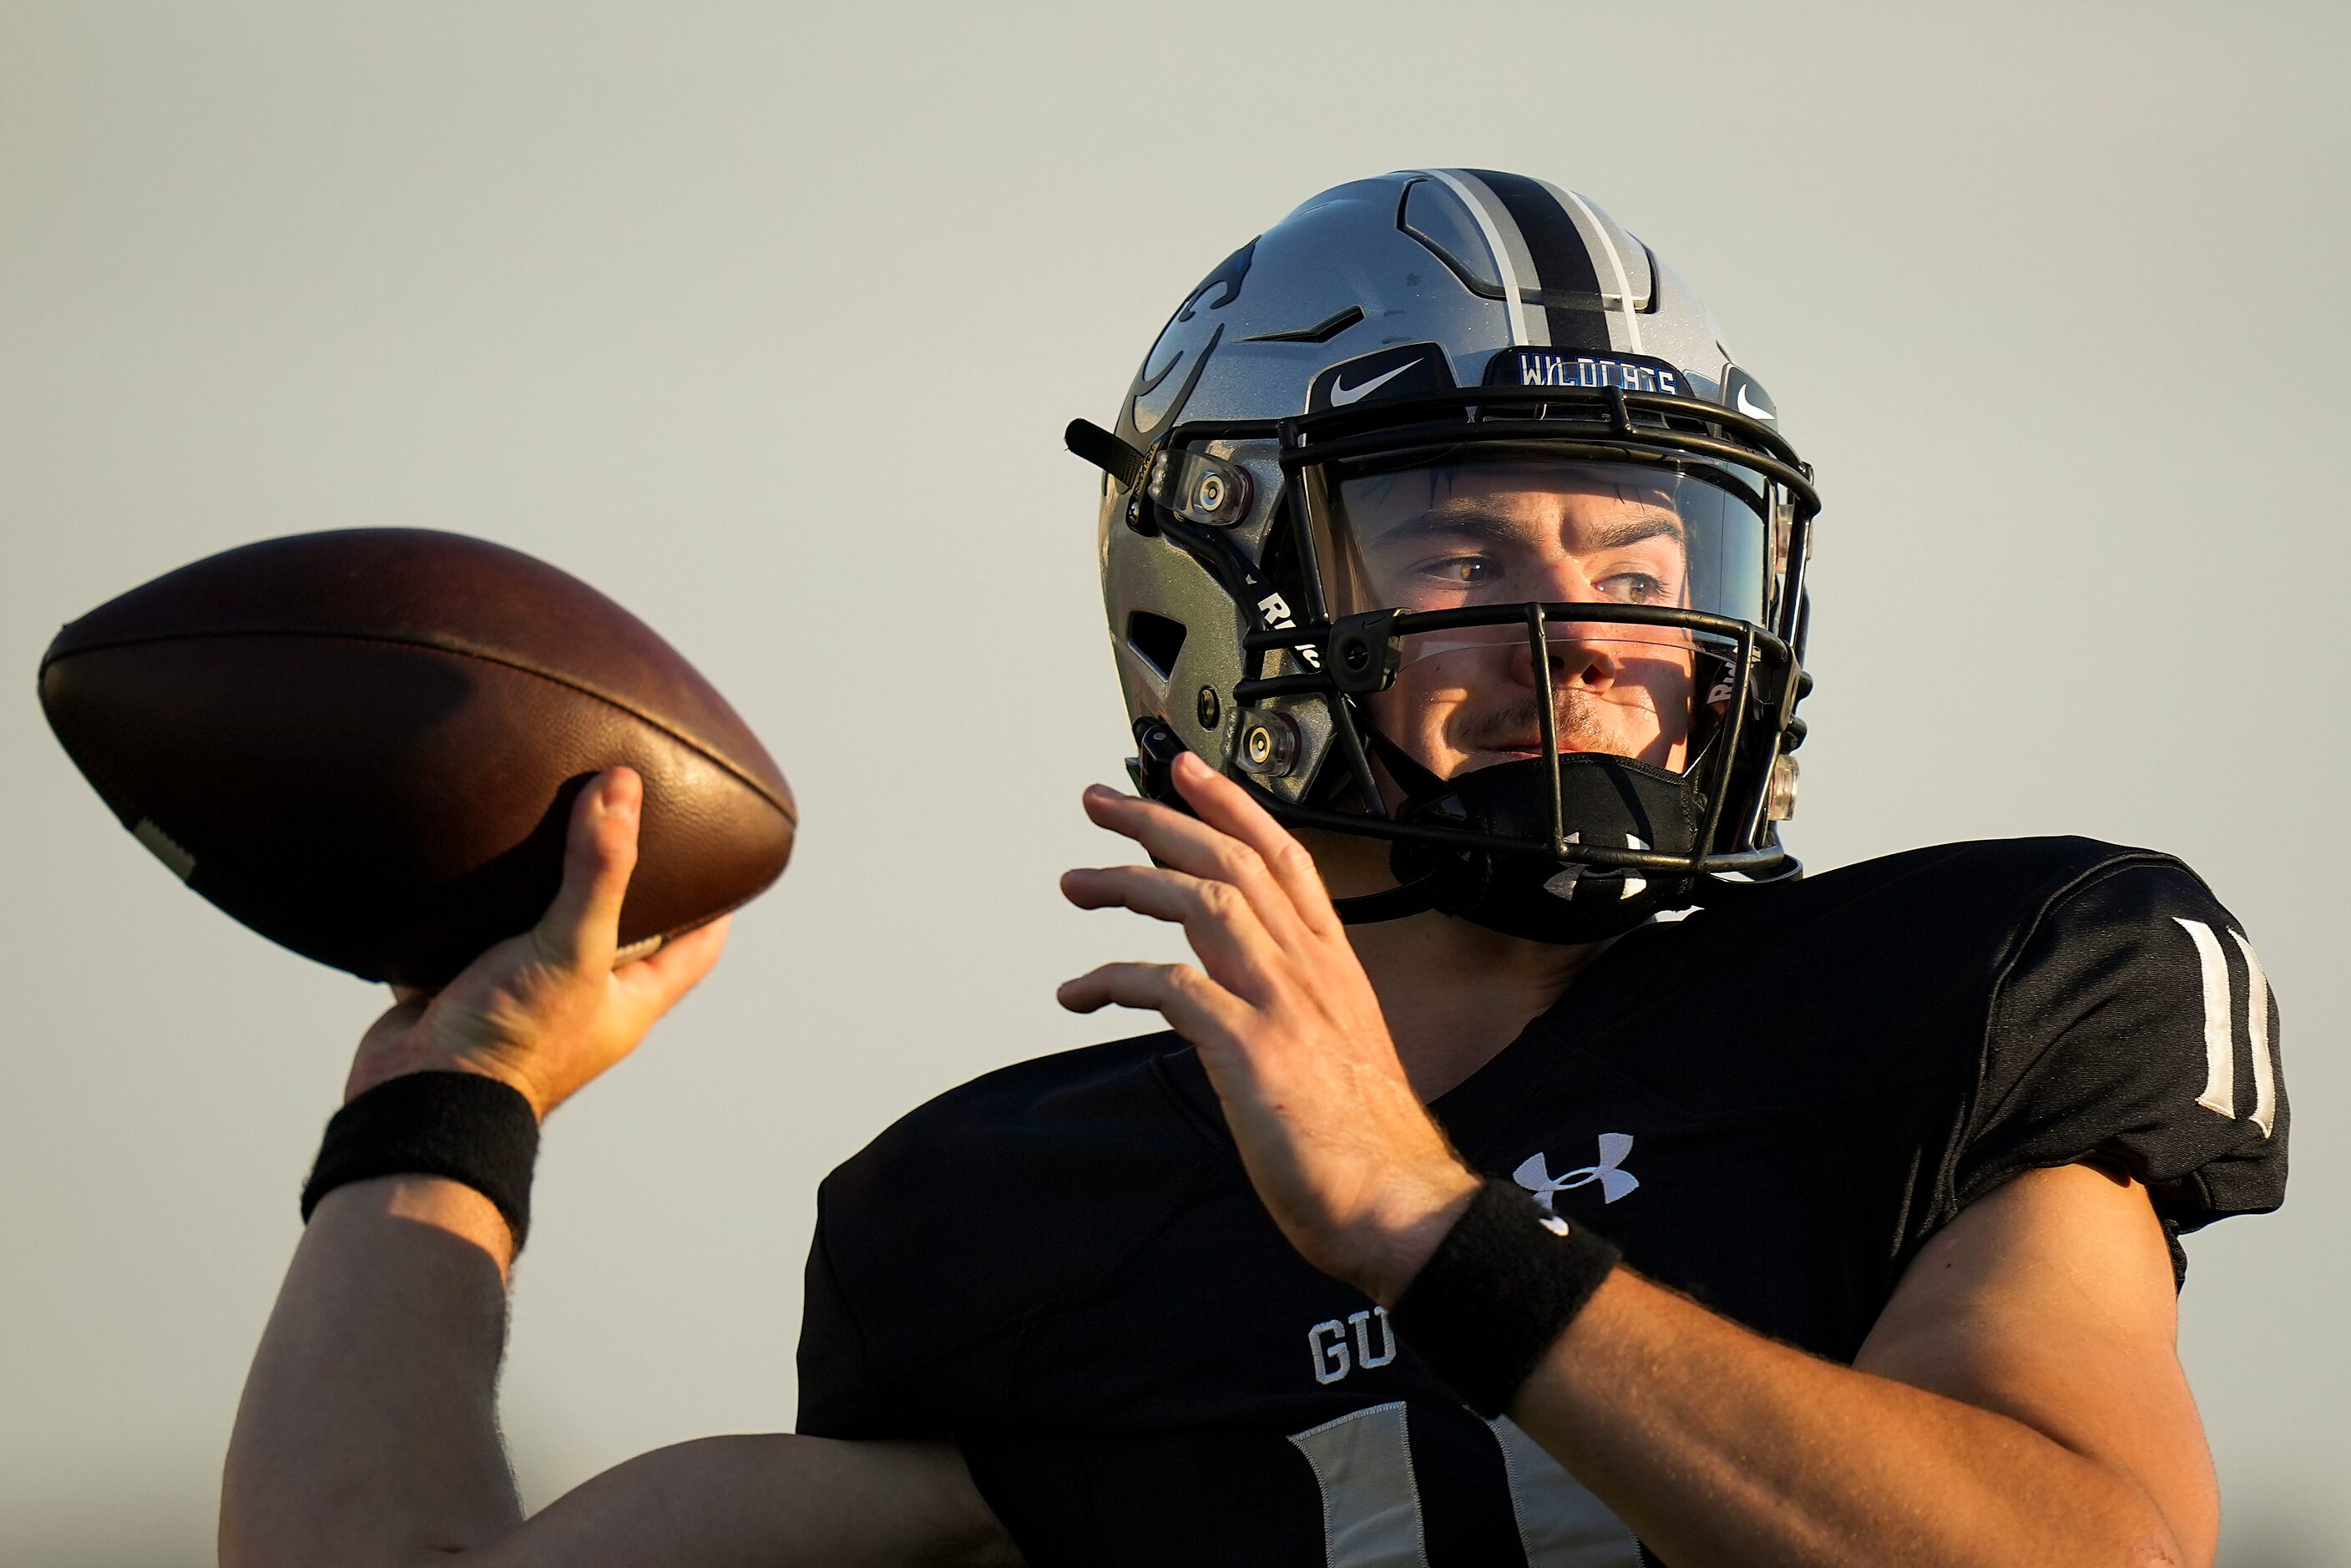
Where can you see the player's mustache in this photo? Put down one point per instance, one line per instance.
(1519, 723)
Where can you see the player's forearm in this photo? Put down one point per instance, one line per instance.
(368, 1432)
(769, 1501)
(1723, 1448)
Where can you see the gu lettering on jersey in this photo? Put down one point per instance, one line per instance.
(1330, 1340)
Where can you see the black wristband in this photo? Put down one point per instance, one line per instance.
(1498, 1292)
(461, 1125)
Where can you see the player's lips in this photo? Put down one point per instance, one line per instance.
(1522, 749)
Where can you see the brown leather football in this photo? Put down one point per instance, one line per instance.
(365, 746)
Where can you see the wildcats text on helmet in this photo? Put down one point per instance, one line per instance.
(1524, 367)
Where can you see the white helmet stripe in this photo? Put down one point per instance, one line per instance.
(1485, 210)
(1592, 226)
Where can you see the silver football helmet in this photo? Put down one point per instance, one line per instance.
(1439, 513)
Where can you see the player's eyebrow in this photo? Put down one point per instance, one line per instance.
(1474, 521)
(1646, 524)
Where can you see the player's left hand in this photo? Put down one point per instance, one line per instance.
(1285, 1020)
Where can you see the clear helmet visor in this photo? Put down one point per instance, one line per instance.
(1496, 532)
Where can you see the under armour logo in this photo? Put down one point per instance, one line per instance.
(1615, 1180)
(1569, 879)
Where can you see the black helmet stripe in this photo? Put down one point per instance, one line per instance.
(1566, 281)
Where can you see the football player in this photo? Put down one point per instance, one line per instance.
(1536, 1169)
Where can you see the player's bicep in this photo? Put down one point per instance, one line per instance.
(770, 1501)
(2051, 1301)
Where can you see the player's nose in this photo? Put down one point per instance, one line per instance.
(1577, 655)
(1579, 652)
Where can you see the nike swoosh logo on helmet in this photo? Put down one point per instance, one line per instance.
(1341, 395)
(1747, 406)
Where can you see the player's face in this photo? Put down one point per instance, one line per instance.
(1505, 533)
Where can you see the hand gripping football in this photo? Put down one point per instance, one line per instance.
(365, 745)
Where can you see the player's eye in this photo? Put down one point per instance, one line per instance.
(1632, 588)
(1462, 570)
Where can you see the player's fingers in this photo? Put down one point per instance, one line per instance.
(1228, 807)
(1216, 916)
(1195, 1006)
(581, 928)
(657, 982)
(1162, 893)
(1187, 844)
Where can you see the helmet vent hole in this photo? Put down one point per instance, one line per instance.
(1435, 217)
(1155, 638)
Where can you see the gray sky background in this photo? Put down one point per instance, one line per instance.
(766, 318)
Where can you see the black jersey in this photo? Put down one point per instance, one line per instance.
(1771, 1105)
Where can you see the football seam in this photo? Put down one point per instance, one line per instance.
(461, 650)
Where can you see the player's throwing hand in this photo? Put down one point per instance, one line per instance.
(1287, 1025)
(545, 1012)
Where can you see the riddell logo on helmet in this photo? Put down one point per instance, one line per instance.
(1524, 367)
(1275, 609)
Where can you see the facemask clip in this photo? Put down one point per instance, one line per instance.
(1200, 488)
(1365, 652)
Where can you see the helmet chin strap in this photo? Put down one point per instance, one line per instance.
(1613, 799)
(1399, 903)
(1416, 895)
